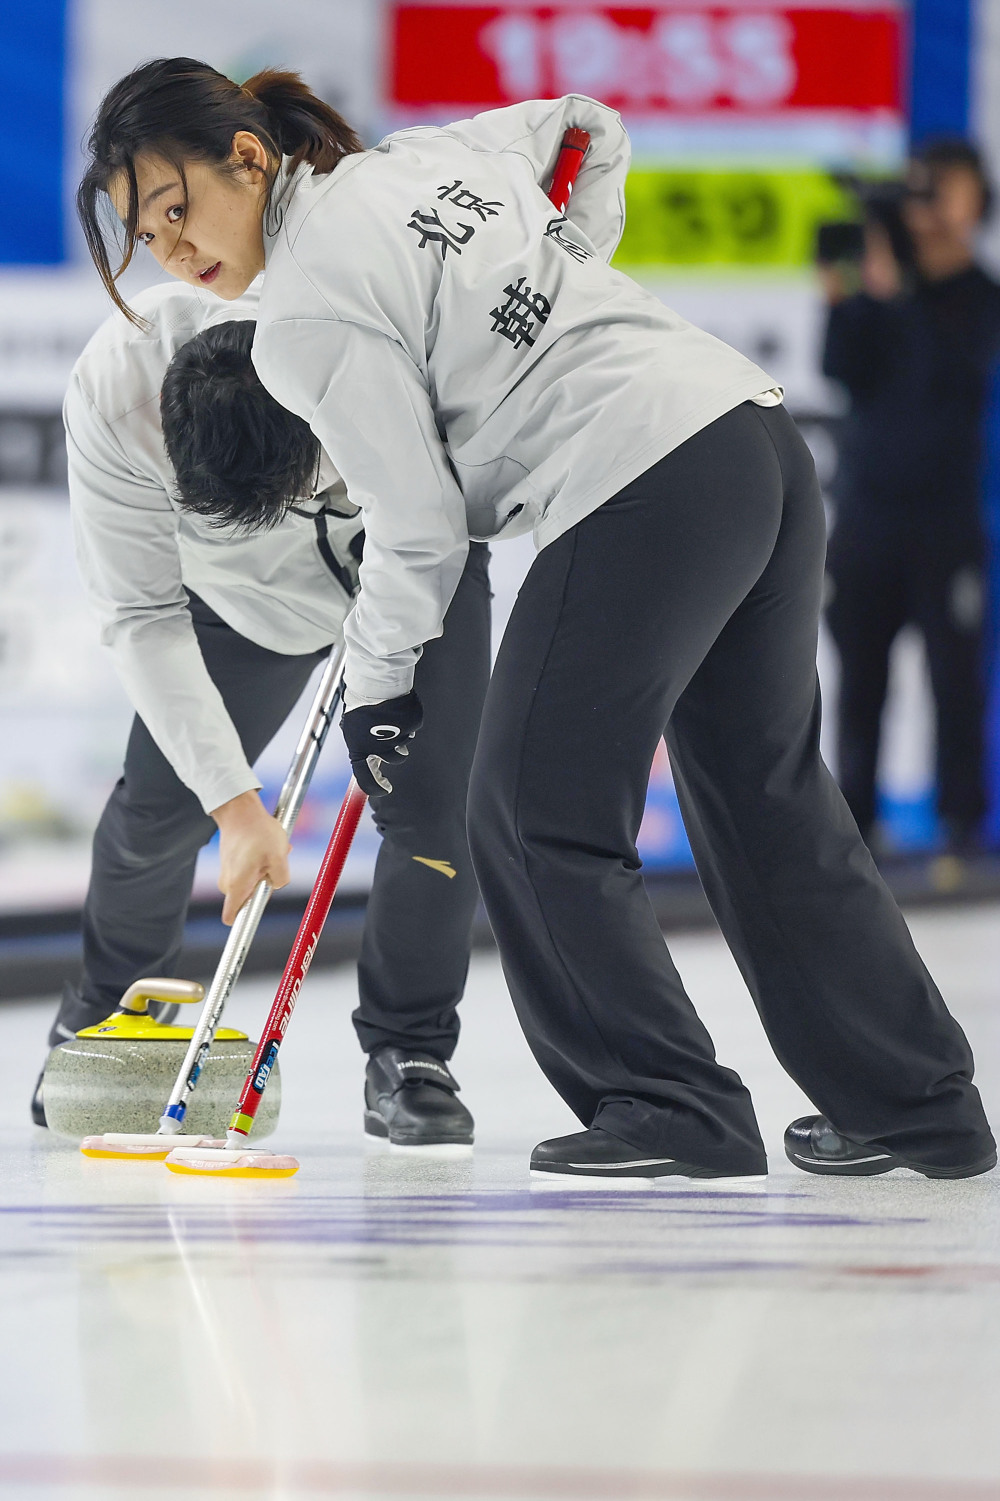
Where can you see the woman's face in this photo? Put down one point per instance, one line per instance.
(214, 238)
(946, 204)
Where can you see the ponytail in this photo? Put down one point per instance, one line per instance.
(183, 110)
(302, 126)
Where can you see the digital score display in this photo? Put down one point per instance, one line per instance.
(739, 58)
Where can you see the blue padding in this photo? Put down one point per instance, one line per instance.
(32, 128)
(940, 49)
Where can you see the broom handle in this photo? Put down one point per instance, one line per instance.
(244, 929)
(568, 163)
(299, 961)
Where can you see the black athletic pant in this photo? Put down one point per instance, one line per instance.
(689, 603)
(415, 952)
(885, 571)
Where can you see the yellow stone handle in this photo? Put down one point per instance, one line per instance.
(137, 995)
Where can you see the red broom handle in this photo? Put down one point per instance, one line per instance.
(299, 959)
(568, 163)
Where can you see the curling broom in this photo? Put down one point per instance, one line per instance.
(155, 1146)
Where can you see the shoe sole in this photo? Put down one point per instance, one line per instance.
(559, 1178)
(444, 1151)
(873, 1167)
(376, 1127)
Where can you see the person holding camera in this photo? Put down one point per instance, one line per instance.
(912, 334)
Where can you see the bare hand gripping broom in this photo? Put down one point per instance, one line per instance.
(156, 1145)
(232, 1159)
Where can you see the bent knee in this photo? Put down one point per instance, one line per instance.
(490, 818)
(427, 824)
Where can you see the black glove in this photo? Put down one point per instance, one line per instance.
(376, 736)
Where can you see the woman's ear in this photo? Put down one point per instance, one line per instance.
(249, 151)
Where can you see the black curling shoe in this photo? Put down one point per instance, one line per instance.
(410, 1097)
(38, 1102)
(815, 1146)
(597, 1155)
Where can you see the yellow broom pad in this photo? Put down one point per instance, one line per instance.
(134, 1146)
(231, 1162)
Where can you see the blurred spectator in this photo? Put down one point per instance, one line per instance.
(913, 334)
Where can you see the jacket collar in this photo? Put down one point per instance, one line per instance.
(282, 192)
(285, 187)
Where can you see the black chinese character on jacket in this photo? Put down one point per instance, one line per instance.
(430, 228)
(462, 197)
(520, 314)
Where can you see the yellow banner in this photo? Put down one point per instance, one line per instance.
(727, 218)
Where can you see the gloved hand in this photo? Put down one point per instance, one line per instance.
(376, 736)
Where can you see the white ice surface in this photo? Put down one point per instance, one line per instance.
(379, 1327)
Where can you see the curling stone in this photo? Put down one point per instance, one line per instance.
(118, 1075)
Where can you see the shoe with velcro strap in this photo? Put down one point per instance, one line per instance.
(589, 1158)
(411, 1100)
(813, 1144)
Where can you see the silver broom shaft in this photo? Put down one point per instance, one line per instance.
(241, 934)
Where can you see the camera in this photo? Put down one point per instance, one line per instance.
(880, 205)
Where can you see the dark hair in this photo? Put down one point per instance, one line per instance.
(240, 458)
(941, 153)
(183, 110)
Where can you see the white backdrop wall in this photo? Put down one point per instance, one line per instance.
(64, 715)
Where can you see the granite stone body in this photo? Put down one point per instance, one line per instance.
(96, 1084)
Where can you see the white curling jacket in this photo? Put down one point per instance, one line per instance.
(137, 552)
(466, 356)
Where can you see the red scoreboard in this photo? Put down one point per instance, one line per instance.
(674, 59)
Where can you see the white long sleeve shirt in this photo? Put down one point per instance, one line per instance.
(466, 356)
(138, 552)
